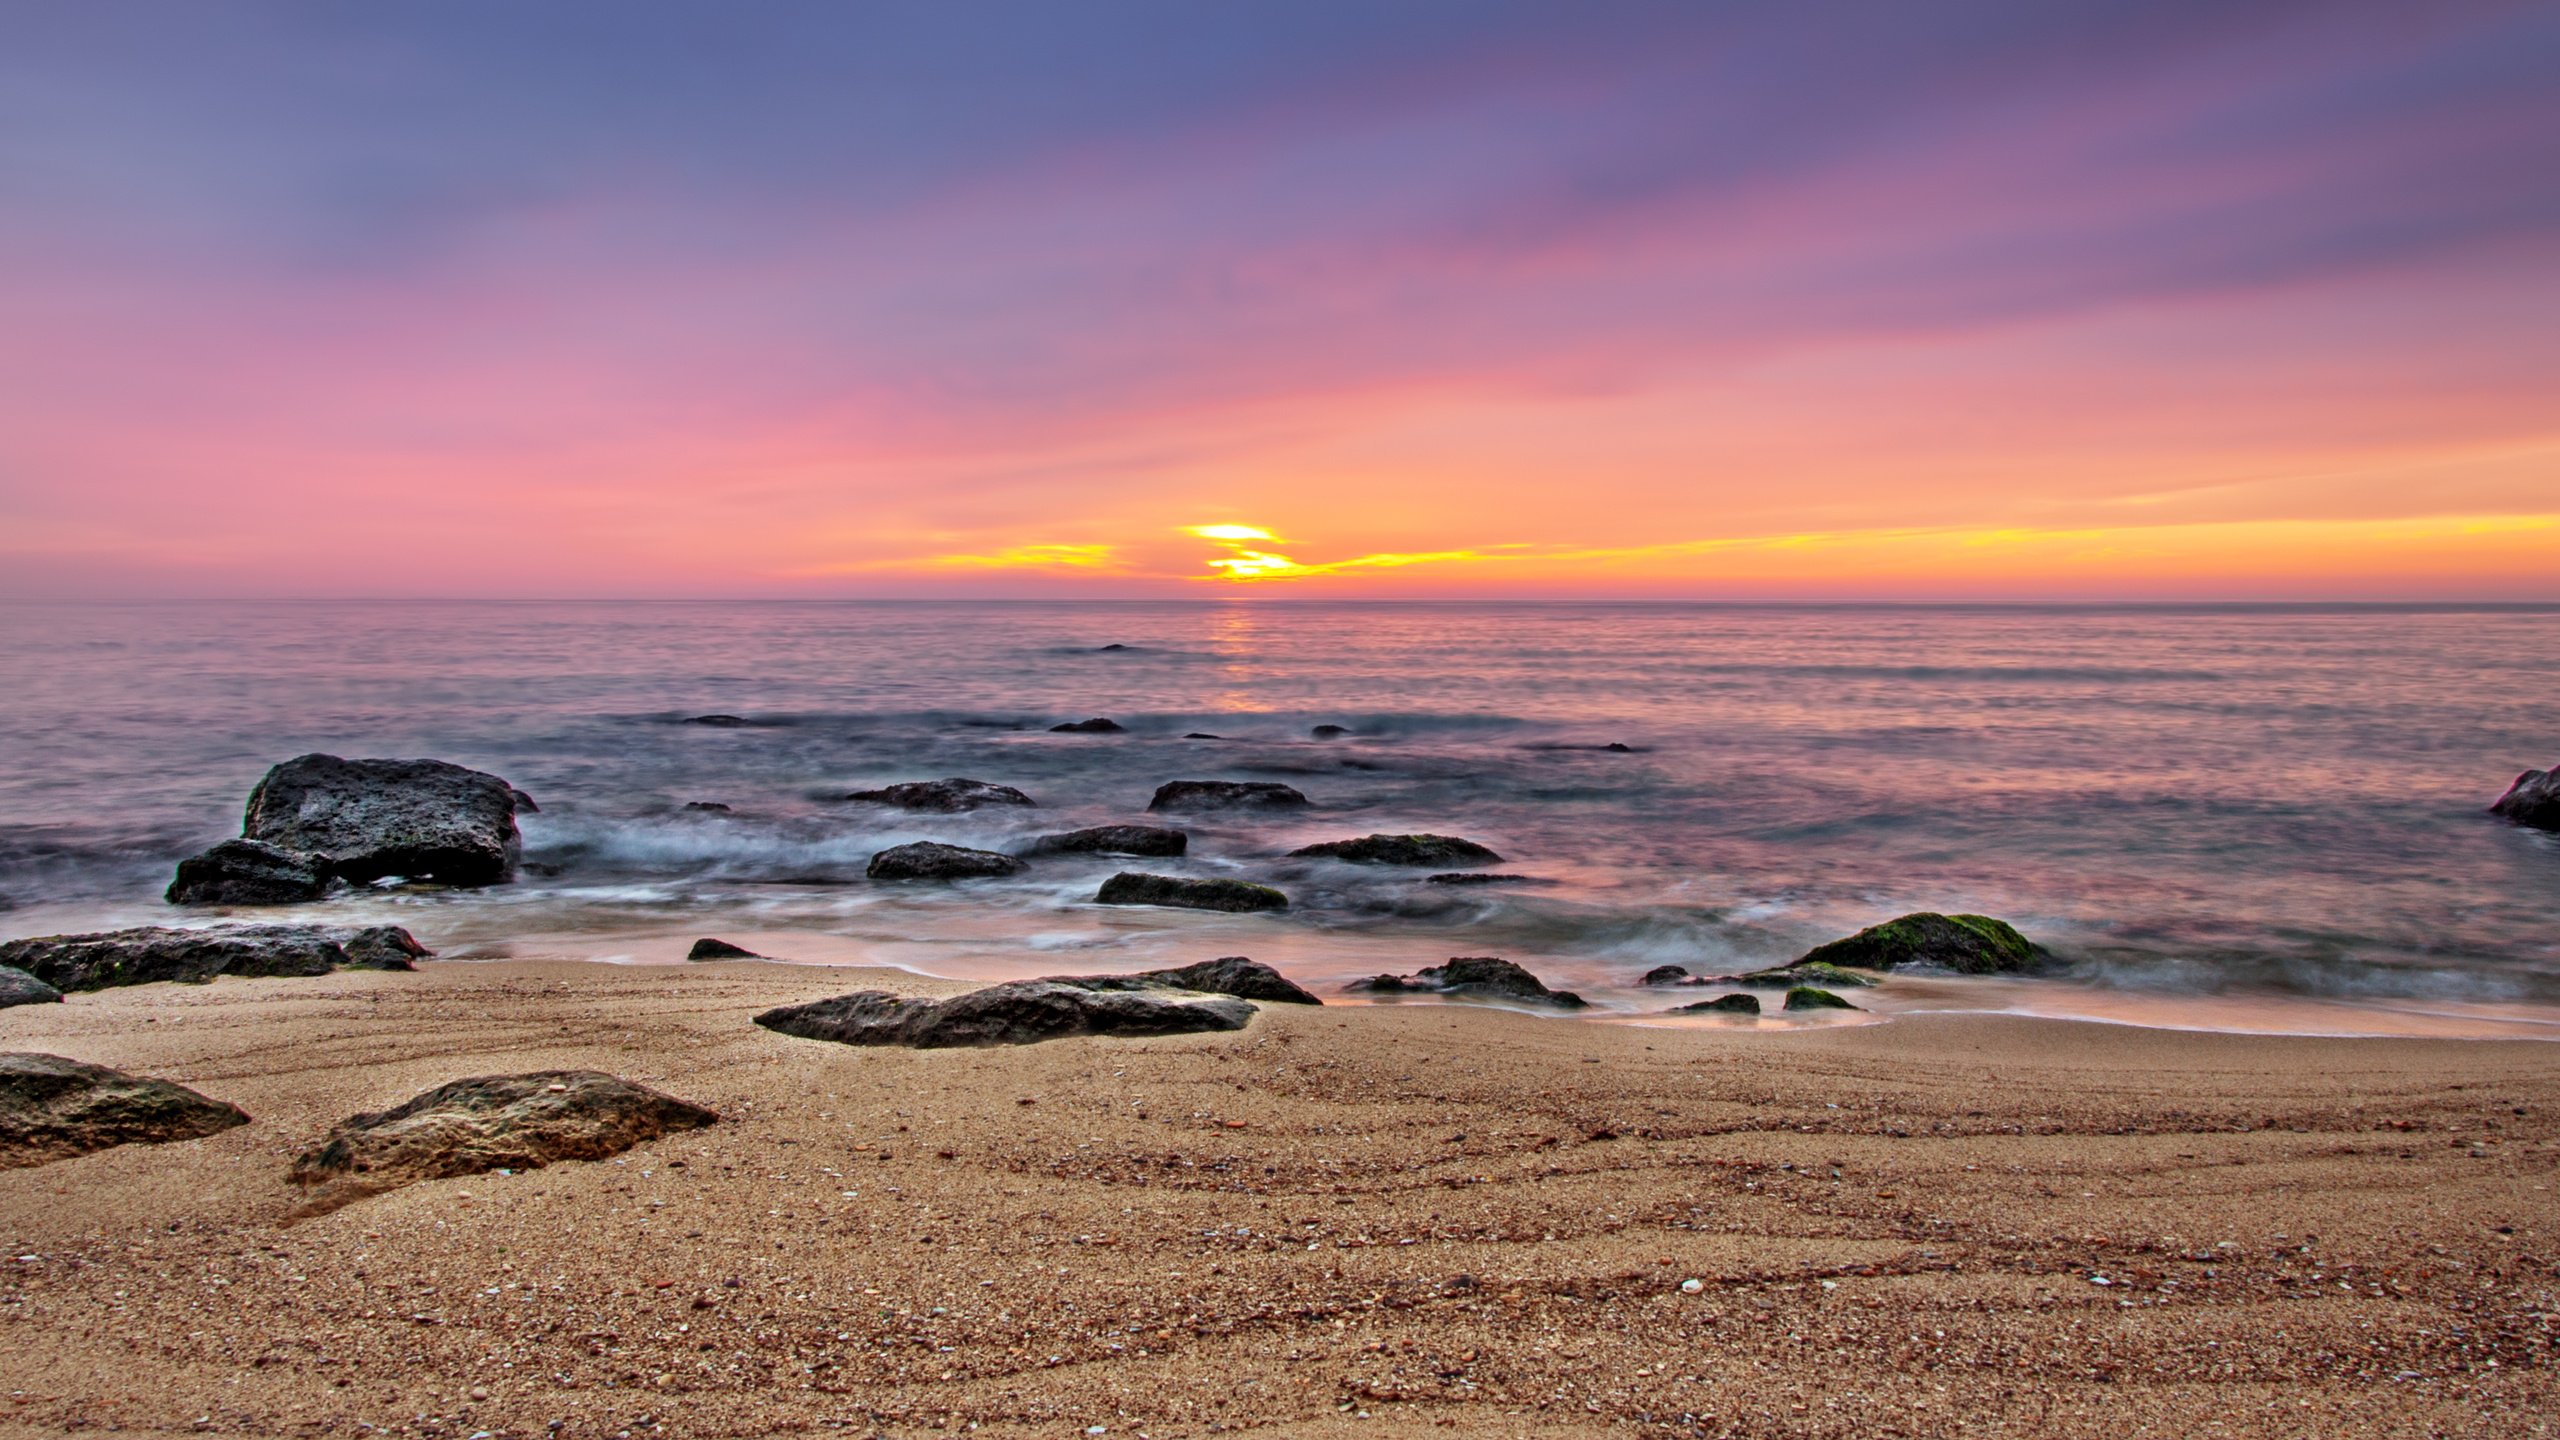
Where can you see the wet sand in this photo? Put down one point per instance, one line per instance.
(1349, 1221)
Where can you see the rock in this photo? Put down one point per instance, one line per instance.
(932, 860)
(1330, 732)
(1620, 747)
(706, 807)
(1155, 840)
(1233, 975)
(53, 1109)
(17, 987)
(1665, 975)
(491, 1122)
(1478, 877)
(947, 796)
(1131, 887)
(249, 872)
(1202, 735)
(1806, 997)
(1805, 972)
(2533, 800)
(718, 722)
(154, 953)
(710, 949)
(1114, 645)
(1966, 944)
(1021, 1013)
(1095, 726)
(422, 819)
(1477, 977)
(1225, 795)
(524, 802)
(1435, 851)
(1722, 1005)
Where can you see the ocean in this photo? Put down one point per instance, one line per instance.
(2221, 817)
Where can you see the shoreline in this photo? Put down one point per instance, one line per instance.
(1438, 1214)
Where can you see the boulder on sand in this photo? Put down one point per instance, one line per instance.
(932, 860)
(152, 953)
(249, 872)
(1807, 997)
(1479, 977)
(490, 1122)
(1665, 975)
(1234, 975)
(1966, 944)
(1439, 852)
(53, 1109)
(1131, 887)
(944, 796)
(2533, 800)
(17, 987)
(707, 948)
(1095, 726)
(1225, 795)
(1721, 1005)
(1150, 840)
(1020, 1013)
(420, 819)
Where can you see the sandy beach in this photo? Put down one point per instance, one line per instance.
(1354, 1220)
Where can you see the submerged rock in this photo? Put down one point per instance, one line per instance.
(1479, 976)
(153, 953)
(1807, 997)
(420, 819)
(1722, 1005)
(718, 722)
(1478, 877)
(17, 987)
(1131, 887)
(1806, 972)
(1202, 735)
(1225, 795)
(1021, 1013)
(932, 860)
(1330, 732)
(947, 796)
(1152, 840)
(1966, 944)
(706, 807)
(2533, 800)
(249, 872)
(1231, 975)
(491, 1122)
(53, 1109)
(707, 948)
(1665, 975)
(1436, 851)
(1095, 726)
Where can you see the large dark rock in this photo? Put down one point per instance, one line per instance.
(1479, 877)
(945, 796)
(1329, 732)
(1438, 852)
(1225, 795)
(1150, 840)
(1721, 1005)
(1131, 887)
(249, 872)
(1807, 997)
(1666, 975)
(2533, 800)
(1479, 977)
(1020, 1013)
(708, 948)
(1231, 975)
(491, 1122)
(17, 987)
(932, 860)
(153, 953)
(1095, 726)
(1966, 944)
(420, 819)
(53, 1109)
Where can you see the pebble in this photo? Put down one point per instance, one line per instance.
(1692, 1287)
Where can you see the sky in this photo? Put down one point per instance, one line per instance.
(1845, 299)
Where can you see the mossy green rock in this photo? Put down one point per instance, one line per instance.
(1966, 944)
(1805, 997)
(1722, 1005)
(1808, 973)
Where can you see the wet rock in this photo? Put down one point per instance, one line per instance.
(1434, 851)
(1202, 735)
(1665, 975)
(1131, 887)
(946, 796)
(1807, 997)
(1095, 726)
(17, 987)
(1721, 1005)
(1478, 877)
(421, 819)
(1021, 1013)
(153, 953)
(1473, 977)
(718, 722)
(932, 860)
(707, 948)
(1620, 747)
(1806, 972)
(2533, 800)
(706, 807)
(249, 872)
(1153, 840)
(1114, 645)
(53, 1109)
(1330, 732)
(1231, 975)
(1966, 944)
(1225, 795)
(491, 1122)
